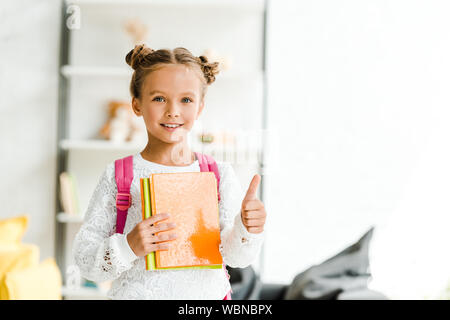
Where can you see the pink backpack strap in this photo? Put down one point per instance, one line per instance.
(208, 164)
(124, 177)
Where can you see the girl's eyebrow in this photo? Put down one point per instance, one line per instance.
(183, 93)
(188, 93)
(155, 91)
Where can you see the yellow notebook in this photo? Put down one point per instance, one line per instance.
(191, 200)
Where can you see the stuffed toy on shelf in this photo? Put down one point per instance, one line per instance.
(225, 62)
(123, 125)
(136, 30)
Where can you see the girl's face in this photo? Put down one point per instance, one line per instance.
(170, 95)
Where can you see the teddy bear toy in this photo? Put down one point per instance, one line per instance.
(123, 125)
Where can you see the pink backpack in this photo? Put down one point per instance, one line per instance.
(124, 177)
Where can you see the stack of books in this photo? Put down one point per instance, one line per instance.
(191, 200)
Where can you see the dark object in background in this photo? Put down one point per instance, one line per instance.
(343, 277)
(246, 285)
(243, 283)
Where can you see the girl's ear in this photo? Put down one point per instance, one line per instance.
(136, 106)
(200, 109)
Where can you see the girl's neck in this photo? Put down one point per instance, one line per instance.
(177, 155)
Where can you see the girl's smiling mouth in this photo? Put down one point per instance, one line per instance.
(171, 126)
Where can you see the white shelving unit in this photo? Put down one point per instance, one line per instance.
(83, 293)
(254, 5)
(63, 217)
(86, 71)
(69, 71)
(98, 145)
(93, 71)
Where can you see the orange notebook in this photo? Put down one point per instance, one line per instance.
(191, 200)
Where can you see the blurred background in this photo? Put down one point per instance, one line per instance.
(341, 106)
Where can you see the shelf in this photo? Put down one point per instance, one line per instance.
(69, 218)
(99, 145)
(73, 71)
(84, 293)
(254, 5)
(70, 71)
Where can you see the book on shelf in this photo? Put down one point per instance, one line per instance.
(68, 193)
(191, 200)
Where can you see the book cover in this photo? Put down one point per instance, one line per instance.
(68, 193)
(191, 200)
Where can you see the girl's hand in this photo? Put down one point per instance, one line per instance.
(144, 239)
(253, 214)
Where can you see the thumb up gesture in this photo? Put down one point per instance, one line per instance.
(253, 214)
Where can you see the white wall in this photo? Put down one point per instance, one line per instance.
(358, 111)
(29, 42)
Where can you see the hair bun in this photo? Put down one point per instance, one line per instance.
(135, 56)
(209, 69)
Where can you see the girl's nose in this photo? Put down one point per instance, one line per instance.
(172, 110)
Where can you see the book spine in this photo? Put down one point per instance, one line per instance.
(74, 191)
(147, 213)
(153, 212)
(143, 209)
(66, 193)
(216, 188)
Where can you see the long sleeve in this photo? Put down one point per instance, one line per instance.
(101, 254)
(239, 247)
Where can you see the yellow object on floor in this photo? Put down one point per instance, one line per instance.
(41, 282)
(17, 256)
(22, 277)
(12, 229)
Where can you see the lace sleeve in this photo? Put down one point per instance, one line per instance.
(100, 253)
(239, 247)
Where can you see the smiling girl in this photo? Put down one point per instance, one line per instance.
(168, 89)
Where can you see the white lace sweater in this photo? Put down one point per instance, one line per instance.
(103, 255)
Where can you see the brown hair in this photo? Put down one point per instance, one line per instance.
(144, 60)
